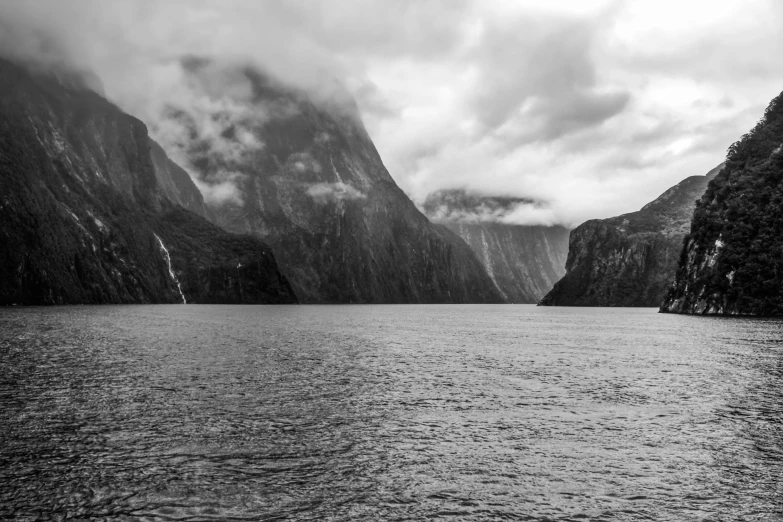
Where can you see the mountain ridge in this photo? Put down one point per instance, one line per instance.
(629, 260)
(83, 218)
(315, 189)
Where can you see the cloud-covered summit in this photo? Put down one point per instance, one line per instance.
(461, 206)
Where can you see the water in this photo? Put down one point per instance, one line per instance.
(388, 413)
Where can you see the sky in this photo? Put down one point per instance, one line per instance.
(590, 107)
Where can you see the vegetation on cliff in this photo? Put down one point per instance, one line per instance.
(732, 260)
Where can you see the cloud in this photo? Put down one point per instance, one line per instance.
(206, 120)
(594, 106)
(540, 68)
(595, 111)
(331, 192)
(460, 206)
(220, 192)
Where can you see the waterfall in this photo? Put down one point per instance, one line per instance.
(171, 272)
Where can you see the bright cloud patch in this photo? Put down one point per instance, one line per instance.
(339, 191)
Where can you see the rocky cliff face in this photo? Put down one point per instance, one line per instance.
(310, 183)
(176, 184)
(85, 219)
(523, 261)
(732, 262)
(629, 260)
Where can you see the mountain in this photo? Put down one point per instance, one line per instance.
(309, 182)
(84, 212)
(523, 261)
(629, 260)
(732, 262)
(176, 183)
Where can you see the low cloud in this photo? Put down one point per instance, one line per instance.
(332, 192)
(220, 193)
(206, 122)
(461, 206)
(302, 164)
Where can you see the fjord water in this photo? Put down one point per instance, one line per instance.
(388, 413)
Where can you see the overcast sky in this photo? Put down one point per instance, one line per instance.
(595, 107)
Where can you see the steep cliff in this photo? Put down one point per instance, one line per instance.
(523, 261)
(629, 260)
(176, 184)
(309, 182)
(83, 217)
(732, 262)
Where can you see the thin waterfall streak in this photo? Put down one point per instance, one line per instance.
(171, 272)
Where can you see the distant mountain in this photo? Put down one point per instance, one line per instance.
(732, 262)
(314, 188)
(629, 260)
(88, 209)
(523, 261)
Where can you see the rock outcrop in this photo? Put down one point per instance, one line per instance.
(629, 260)
(86, 215)
(176, 183)
(523, 261)
(311, 184)
(732, 261)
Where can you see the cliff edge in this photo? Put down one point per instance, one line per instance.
(732, 260)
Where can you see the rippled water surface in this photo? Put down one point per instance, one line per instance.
(388, 413)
